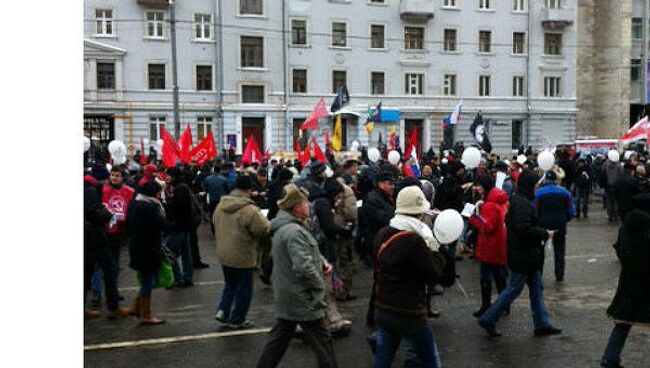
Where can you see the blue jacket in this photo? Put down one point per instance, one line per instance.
(217, 186)
(554, 206)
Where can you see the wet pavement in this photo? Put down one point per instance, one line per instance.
(192, 338)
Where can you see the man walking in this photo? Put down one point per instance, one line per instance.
(583, 182)
(298, 286)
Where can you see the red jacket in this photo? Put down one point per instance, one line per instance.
(491, 227)
(117, 201)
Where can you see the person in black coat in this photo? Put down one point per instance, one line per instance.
(96, 246)
(624, 189)
(631, 304)
(145, 225)
(525, 250)
(180, 216)
(375, 213)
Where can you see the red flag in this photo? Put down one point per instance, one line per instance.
(296, 147)
(143, 154)
(406, 169)
(304, 156)
(185, 145)
(320, 156)
(169, 148)
(638, 131)
(413, 143)
(267, 153)
(319, 112)
(251, 153)
(204, 151)
(327, 140)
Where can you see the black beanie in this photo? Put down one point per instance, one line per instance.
(99, 172)
(332, 187)
(285, 174)
(244, 182)
(150, 188)
(526, 183)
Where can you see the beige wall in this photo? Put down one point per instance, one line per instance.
(603, 67)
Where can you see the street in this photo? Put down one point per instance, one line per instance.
(191, 337)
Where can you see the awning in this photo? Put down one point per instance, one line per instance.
(346, 110)
(388, 115)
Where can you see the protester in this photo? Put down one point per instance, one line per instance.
(625, 188)
(345, 216)
(612, 171)
(298, 285)
(179, 214)
(238, 224)
(583, 184)
(376, 211)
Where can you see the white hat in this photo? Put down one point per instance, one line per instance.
(411, 201)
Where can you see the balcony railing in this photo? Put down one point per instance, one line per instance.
(557, 18)
(416, 10)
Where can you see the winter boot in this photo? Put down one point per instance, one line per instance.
(486, 294)
(135, 309)
(119, 312)
(91, 314)
(146, 319)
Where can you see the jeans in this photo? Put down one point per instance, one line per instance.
(582, 201)
(179, 243)
(101, 257)
(315, 334)
(512, 291)
(115, 242)
(616, 343)
(416, 332)
(238, 289)
(194, 246)
(147, 282)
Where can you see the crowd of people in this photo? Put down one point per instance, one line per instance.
(306, 229)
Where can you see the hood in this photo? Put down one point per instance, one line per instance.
(282, 219)
(637, 220)
(234, 201)
(497, 196)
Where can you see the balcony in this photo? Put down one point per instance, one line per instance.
(557, 18)
(416, 10)
(154, 3)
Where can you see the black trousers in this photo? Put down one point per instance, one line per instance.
(102, 257)
(194, 244)
(316, 335)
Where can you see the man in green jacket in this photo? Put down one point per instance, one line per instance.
(299, 289)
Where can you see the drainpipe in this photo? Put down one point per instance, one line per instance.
(218, 60)
(528, 75)
(287, 140)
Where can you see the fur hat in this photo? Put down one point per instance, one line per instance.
(411, 201)
(293, 196)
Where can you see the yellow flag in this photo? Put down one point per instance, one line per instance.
(337, 138)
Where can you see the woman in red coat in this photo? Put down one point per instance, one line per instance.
(489, 222)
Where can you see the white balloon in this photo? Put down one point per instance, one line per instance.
(328, 172)
(109, 167)
(86, 144)
(448, 226)
(445, 161)
(117, 148)
(627, 155)
(393, 157)
(119, 160)
(546, 160)
(355, 146)
(471, 157)
(521, 159)
(373, 154)
(613, 155)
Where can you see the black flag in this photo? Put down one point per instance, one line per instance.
(479, 133)
(342, 99)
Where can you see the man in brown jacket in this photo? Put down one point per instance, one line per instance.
(239, 224)
(345, 215)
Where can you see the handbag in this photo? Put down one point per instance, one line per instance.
(165, 277)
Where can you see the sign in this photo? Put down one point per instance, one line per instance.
(596, 146)
(231, 140)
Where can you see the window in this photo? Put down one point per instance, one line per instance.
(202, 26)
(251, 7)
(204, 77)
(298, 32)
(338, 79)
(552, 43)
(155, 123)
(449, 3)
(300, 81)
(376, 1)
(554, 4)
(449, 85)
(203, 126)
(105, 75)
(414, 84)
(252, 94)
(637, 28)
(518, 5)
(155, 21)
(484, 85)
(517, 133)
(484, 4)
(156, 76)
(413, 38)
(484, 41)
(450, 40)
(377, 36)
(635, 70)
(377, 83)
(339, 34)
(104, 22)
(518, 43)
(517, 86)
(252, 52)
(551, 86)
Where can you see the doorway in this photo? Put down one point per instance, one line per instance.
(409, 126)
(254, 127)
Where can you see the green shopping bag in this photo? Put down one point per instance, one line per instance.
(165, 276)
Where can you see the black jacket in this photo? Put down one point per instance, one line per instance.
(375, 213)
(402, 273)
(631, 303)
(449, 194)
(179, 209)
(145, 225)
(624, 189)
(274, 194)
(525, 237)
(584, 177)
(96, 216)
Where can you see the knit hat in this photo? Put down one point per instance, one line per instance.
(99, 172)
(411, 201)
(244, 182)
(428, 189)
(293, 196)
(332, 187)
(149, 169)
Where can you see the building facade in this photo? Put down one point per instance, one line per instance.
(258, 67)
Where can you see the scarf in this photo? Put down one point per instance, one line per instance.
(153, 200)
(408, 223)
